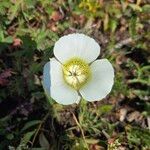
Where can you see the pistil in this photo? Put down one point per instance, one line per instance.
(76, 73)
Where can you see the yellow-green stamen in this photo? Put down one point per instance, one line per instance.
(76, 73)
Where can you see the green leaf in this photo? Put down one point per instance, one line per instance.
(132, 26)
(138, 136)
(1, 36)
(135, 7)
(146, 8)
(92, 141)
(10, 136)
(113, 25)
(30, 124)
(38, 149)
(9, 39)
(13, 11)
(105, 109)
(26, 138)
(35, 68)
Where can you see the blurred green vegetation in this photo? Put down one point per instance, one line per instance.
(28, 119)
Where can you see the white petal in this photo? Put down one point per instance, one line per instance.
(46, 78)
(101, 83)
(59, 90)
(76, 45)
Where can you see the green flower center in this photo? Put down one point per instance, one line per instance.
(76, 73)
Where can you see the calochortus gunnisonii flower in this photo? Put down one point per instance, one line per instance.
(74, 72)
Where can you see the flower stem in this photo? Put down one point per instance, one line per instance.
(82, 132)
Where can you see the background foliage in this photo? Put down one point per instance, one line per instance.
(28, 119)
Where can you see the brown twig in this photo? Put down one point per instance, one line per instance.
(82, 132)
(39, 127)
(106, 134)
(124, 42)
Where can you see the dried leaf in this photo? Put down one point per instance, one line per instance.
(56, 16)
(17, 42)
(134, 116)
(4, 75)
(44, 142)
(105, 22)
(123, 113)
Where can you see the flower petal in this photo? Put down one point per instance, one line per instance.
(59, 90)
(76, 45)
(101, 83)
(46, 78)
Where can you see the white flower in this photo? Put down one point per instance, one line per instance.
(75, 72)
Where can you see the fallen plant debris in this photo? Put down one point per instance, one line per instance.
(4, 81)
(31, 120)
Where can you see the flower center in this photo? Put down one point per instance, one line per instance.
(76, 73)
